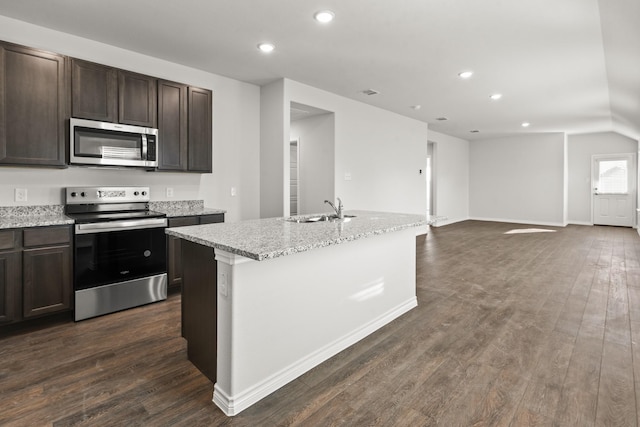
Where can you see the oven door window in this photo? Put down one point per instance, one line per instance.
(107, 144)
(118, 256)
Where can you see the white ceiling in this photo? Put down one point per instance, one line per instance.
(564, 65)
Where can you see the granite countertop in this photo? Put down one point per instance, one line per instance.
(33, 216)
(183, 208)
(45, 215)
(264, 239)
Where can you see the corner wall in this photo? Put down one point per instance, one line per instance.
(381, 151)
(518, 179)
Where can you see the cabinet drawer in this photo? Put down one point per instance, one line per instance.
(9, 239)
(211, 219)
(46, 236)
(181, 222)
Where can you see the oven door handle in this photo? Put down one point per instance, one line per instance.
(134, 224)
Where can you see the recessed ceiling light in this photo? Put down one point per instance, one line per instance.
(416, 107)
(442, 119)
(324, 16)
(496, 96)
(474, 131)
(465, 74)
(526, 124)
(266, 47)
(370, 92)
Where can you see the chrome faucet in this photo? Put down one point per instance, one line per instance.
(339, 209)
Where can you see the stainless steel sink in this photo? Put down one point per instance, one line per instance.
(319, 218)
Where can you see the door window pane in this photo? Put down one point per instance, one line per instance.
(613, 177)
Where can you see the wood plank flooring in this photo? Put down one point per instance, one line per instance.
(511, 330)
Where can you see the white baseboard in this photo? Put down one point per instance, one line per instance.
(519, 221)
(232, 405)
(581, 223)
(448, 221)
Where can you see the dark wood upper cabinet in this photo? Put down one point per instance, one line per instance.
(108, 94)
(137, 96)
(33, 106)
(172, 126)
(94, 90)
(200, 141)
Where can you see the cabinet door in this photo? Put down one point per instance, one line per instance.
(47, 285)
(137, 96)
(200, 119)
(94, 91)
(33, 107)
(172, 126)
(10, 285)
(174, 251)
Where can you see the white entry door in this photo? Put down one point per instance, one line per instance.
(613, 189)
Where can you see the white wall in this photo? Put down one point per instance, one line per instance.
(581, 148)
(236, 138)
(451, 176)
(518, 179)
(382, 151)
(316, 136)
(274, 130)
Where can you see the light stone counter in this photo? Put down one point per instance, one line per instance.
(181, 208)
(264, 239)
(32, 216)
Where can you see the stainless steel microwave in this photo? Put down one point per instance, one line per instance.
(112, 144)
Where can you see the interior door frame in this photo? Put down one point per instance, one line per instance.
(296, 142)
(633, 181)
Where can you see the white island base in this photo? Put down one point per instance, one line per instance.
(279, 318)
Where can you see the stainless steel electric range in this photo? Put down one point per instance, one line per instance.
(120, 252)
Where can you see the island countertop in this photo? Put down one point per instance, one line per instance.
(263, 239)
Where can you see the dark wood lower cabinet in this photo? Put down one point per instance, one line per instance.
(199, 302)
(35, 272)
(174, 257)
(46, 280)
(10, 286)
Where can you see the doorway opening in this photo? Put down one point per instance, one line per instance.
(429, 176)
(294, 172)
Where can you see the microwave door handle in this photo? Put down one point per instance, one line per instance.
(144, 147)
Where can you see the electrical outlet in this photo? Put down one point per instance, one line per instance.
(347, 176)
(21, 195)
(233, 191)
(169, 192)
(222, 285)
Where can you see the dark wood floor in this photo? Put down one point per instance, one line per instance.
(524, 329)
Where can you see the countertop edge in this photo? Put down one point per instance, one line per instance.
(295, 249)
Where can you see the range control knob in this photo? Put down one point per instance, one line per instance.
(135, 193)
(74, 194)
(144, 193)
(83, 194)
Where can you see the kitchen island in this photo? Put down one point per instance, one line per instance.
(283, 296)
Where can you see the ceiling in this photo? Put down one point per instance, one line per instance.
(563, 65)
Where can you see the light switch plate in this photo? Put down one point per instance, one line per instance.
(169, 192)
